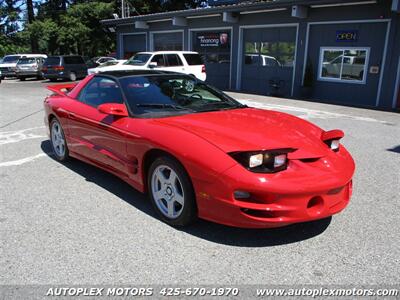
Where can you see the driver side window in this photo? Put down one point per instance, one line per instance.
(159, 59)
(100, 90)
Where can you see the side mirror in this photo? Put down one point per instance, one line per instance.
(152, 65)
(114, 109)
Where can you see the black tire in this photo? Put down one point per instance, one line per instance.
(57, 155)
(22, 78)
(53, 79)
(188, 215)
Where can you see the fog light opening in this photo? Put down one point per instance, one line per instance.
(315, 206)
(241, 195)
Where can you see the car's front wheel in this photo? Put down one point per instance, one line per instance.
(171, 192)
(58, 141)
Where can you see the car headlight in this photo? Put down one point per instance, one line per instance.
(334, 144)
(332, 139)
(270, 161)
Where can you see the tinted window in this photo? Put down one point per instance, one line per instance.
(173, 60)
(159, 59)
(101, 90)
(52, 61)
(26, 61)
(11, 59)
(73, 60)
(193, 59)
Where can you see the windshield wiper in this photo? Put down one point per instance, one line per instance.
(161, 105)
(216, 108)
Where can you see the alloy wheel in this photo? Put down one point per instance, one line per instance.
(57, 139)
(167, 191)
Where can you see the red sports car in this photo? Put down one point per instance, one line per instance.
(199, 153)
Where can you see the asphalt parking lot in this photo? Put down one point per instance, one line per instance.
(72, 223)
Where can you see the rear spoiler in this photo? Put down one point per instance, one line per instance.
(61, 89)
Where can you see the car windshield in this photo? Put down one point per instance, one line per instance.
(109, 63)
(138, 60)
(165, 95)
(11, 59)
(26, 61)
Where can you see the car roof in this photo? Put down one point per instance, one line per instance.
(168, 52)
(65, 55)
(127, 73)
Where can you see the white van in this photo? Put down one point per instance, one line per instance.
(9, 64)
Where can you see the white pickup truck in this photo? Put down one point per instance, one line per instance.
(186, 62)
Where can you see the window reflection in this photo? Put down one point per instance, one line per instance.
(269, 54)
(167, 41)
(343, 64)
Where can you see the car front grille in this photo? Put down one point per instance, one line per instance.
(5, 69)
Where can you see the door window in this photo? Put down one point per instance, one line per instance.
(101, 90)
(173, 60)
(159, 59)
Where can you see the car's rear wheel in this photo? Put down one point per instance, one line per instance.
(72, 76)
(53, 79)
(171, 192)
(58, 141)
(21, 78)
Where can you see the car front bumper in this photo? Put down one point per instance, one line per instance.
(7, 72)
(304, 192)
(59, 75)
(20, 73)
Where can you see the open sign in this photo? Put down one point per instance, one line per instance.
(346, 35)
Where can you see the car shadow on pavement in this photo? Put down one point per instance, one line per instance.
(395, 149)
(213, 232)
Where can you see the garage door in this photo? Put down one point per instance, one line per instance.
(133, 43)
(268, 60)
(166, 41)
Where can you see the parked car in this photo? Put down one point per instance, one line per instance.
(199, 153)
(9, 64)
(97, 61)
(29, 67)
(103, 59)
(186, 62)
(109, 63)
(0, 76)
(70, 67)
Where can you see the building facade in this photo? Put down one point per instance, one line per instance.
(343, 52)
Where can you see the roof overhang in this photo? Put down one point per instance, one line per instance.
(247, 7)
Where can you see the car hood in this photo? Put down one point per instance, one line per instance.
(251, 129)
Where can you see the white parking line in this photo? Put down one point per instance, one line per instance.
(307, 113)
(8, 137)
(22, 161)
